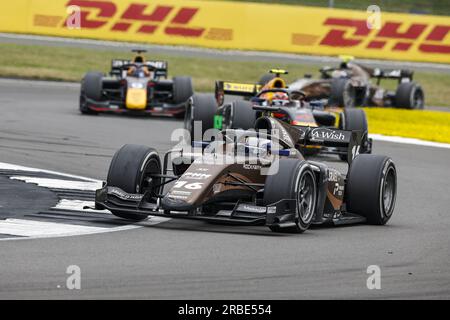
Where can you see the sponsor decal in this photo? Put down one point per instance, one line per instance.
(392, 36)
(173, 196)
(338, 190)
(333, 176)
(124, 195)
(321, 134)
(196, 175)
(184, 193)
(218, 122)
(251, 166)
(172, 20)
(250, 208)
(240, 87)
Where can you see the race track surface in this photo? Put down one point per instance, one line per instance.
(40, 127)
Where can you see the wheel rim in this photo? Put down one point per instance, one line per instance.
(147, 183)
(306, 197)
(388, 192)
(418, 100)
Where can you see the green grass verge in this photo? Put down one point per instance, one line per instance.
(70, 64)
(419, 124)
(435, 7)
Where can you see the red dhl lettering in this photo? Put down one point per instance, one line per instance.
(96, 14)
(353, 32)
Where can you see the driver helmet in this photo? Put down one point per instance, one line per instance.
(280, 99)
(339, 74)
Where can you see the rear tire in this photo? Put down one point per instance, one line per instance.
(409, 95)
(354, 119)
(242, 115)
(294, 180)
(371, 188)
(342, 93)
(201, 107)
(129, 170)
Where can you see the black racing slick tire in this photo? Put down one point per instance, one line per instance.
(182, 89)
(200, 108)
(409, 95)
(294, 180)
(131, 169)
(265, 78)
(371, 188)
(354, 119)
(342, 93)
(91, 85)
(84, 109)
(242, 115)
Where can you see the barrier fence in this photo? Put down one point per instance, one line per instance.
(231, 25)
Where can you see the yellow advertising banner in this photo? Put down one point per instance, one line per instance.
(231, 25)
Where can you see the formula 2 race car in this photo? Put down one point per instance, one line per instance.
(287, 105)
(252, 178)
(350, 85)
(137, 87)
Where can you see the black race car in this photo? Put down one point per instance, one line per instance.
(350, 84)
(276, 100)
(252, 178)
(137, 87)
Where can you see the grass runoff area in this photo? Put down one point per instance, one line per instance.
(70, 64)
(434, 7)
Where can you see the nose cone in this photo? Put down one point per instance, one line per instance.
(175, 203)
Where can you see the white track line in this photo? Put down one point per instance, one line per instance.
(60, 184)
(78, 205)
(24, 229)
(14, 167)
(32, 228)
(402, 140)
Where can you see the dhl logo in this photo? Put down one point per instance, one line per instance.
(96, 14)
(354, 32)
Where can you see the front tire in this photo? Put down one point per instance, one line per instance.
(131, 169)
(92, 85)
(294, 180)
(372, 188)
(182, 89)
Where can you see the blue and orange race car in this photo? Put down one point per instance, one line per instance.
(135, 87)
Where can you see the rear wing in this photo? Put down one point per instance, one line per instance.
(401, 74)
(160, 67)
(348, 141)
(235, 88)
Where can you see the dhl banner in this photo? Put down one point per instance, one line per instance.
(232, 25)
